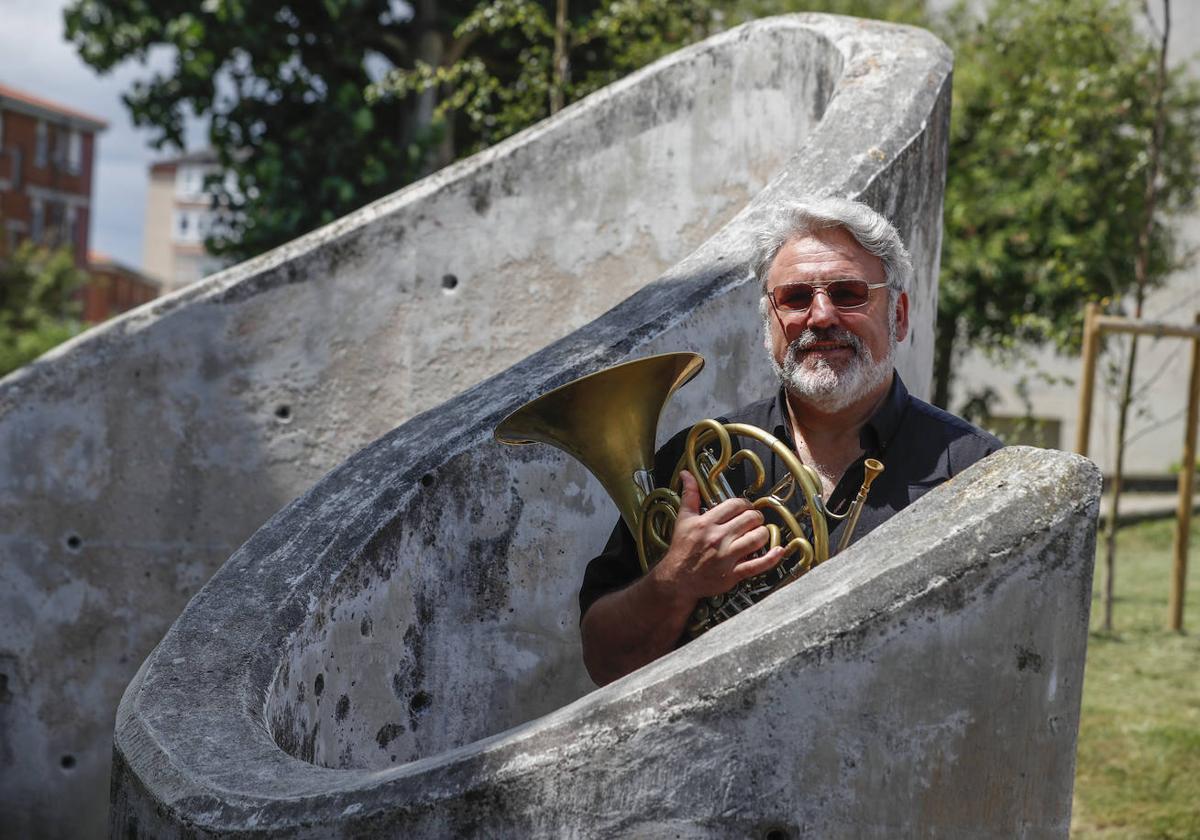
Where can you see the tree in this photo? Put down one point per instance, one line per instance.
(521, 65)
(282, 86)
(284, 89)
(1046, 202)
(555, 62)
(39, 303)
(1152, 189)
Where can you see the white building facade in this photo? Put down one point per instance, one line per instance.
(179, 217)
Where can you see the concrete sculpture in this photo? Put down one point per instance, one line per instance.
(395, 652)
(136, 459)
(924, 684)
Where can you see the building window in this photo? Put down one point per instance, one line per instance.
(189, 226)
(79, 229)
(38, 222)
(74, 152)
(41, 149)
(189, 182)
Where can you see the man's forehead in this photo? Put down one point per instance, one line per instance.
(825, 254)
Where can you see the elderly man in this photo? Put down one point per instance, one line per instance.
(834, 276)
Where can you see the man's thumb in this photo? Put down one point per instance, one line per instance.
(690, 496)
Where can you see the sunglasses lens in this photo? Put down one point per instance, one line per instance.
(794, 297)
(848, 294)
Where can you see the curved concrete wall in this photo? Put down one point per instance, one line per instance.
(925, 684)
(134, 461)
(421, 596)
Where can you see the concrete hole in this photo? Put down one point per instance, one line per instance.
(67, 762)
(427, 480)
(776, 833)
(283, 413)
(73, 542)
(449, 282)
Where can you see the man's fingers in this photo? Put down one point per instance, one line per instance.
(748, 543)
(729, 510)
(757, 565)
(743, 522)
(689, 498)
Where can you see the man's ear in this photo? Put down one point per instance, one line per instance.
(901, 317)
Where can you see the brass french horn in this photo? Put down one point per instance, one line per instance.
(608, 421)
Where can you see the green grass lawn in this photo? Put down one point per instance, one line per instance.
(1138, 768)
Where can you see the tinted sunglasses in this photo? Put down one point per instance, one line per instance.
(844, 294)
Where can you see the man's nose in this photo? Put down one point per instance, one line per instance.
(822, 312)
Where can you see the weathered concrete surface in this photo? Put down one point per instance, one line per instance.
(349, 668)
(135, 460)
(924, 684)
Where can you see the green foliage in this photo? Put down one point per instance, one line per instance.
(505, 81)
(1052, 120)
(283, 87)
(491, 95)
(896, 11)
(39, 304)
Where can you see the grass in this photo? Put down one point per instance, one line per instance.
(1138, 767)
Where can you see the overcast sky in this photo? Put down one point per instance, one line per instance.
(35, 58)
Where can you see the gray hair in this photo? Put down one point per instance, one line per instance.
(870, 230)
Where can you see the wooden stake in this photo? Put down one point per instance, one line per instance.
(1091, 350)
(1187, 474)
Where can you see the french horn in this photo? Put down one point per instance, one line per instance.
(608, 421)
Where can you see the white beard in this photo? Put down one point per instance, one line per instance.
(817, 382)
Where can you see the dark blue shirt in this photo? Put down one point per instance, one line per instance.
(920, 446)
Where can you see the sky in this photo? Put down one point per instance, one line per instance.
(35, 58)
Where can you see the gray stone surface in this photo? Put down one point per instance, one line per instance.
(924, 684)
(136, 459)
(396, 651)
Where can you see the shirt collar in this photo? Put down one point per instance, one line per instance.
(876, 433)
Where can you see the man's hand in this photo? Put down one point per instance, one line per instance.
(711, 552)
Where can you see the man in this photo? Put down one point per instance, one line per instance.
(834, 276)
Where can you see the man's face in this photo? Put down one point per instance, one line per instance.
(827, 356)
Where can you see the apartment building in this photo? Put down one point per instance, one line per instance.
(179, 218)
(46, 166)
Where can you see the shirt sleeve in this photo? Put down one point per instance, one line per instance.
(614, 568)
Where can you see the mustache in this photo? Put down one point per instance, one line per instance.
(826, 335)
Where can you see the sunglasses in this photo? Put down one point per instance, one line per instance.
(844, 294)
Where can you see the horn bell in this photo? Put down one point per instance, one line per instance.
(608, 422)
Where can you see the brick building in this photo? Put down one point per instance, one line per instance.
(114, 288)
(47, 155)
(46, 167)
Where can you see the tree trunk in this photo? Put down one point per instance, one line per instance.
(559, 81)
(943, 357)
(1141, 267)
(1118, 476)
